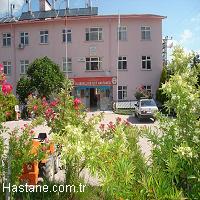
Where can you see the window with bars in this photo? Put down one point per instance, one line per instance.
(7, 67)
(67, 65)
(146, 62)
(24, 66)
(67, 35)
(122, 62)
(145, 33)
(93, 63)
(24, 39)
(6, 39)
(122, 92)
(93, 34)
(44, 37)
(122, 33)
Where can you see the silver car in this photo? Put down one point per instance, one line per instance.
(145, 108)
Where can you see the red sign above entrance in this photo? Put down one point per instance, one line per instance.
(94, 81)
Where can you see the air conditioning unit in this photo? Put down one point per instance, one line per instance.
(21, 46)
(81, 59)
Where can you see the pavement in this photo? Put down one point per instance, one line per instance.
(108, 117)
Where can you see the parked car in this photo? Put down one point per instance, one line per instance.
(145, 109)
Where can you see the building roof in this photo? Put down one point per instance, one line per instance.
(76, 13)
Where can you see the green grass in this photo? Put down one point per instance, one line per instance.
(126, 111)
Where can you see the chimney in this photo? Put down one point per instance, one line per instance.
(44, 5)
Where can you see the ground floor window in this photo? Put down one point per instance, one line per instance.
(7, 68)
(148, 88)
(122, 92)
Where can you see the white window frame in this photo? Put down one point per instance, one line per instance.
(67, 65)
(148, 88)
(44, 37)
(121, 61)
(94, 35)
(24, 38)
(146, 60)
(67, 35)
(7, 68)
(145, 33)
(123, 90)
(122, 33)
(24, 66)
(90, 60)
(6, 39)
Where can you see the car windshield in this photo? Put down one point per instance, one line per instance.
(149, 102)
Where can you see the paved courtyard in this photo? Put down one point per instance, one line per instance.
(108, 116)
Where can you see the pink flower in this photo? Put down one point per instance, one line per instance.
(53, 103)
(8, 114)
(102, 127)
(35, 107)
(119, 119)
(48, 112)
(32, 132)
(7, 88)
(44, 104)
(77, 102)
(1, 68)
(25, 125)
(111, 126)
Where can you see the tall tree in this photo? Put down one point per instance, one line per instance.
(43, 76)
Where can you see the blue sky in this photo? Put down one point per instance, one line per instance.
(182, 23)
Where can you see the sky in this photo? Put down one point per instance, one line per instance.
(182, 22)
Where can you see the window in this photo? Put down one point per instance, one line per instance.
(148, 88)
(122, 92)
(93, 34)
(24, 66)
(122, 33)
(24, 38)
(93, 63)
(146, 33)
(67, 66)
(7, 67)
(122, 62)
(6, 39)
(43, 37)
(146, 62)
(67, 35)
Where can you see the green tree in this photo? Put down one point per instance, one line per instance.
(43, 77)
(160, 96)
(23, 89)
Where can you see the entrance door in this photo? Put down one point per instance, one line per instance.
(93, 98)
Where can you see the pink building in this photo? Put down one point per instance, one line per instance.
(107, 56)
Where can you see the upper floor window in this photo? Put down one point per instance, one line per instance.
(7, 68)
(24, 38)
(6, 39)
(67, 35)
(146, 62)
(44, 37)
(93, 34)
(24, 66)
(122, 33)
(122, 62)
(145, 33)
(67, 65)
(93, 63)
(122, 92)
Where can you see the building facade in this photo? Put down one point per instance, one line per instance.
(106, 56)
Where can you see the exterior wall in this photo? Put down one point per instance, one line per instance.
(133, 48)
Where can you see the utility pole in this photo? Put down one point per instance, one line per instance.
(164, 49)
